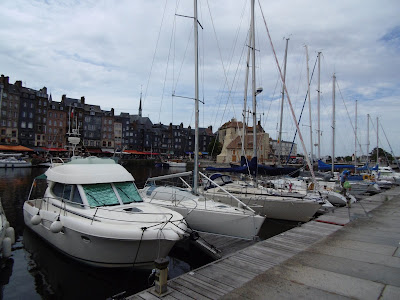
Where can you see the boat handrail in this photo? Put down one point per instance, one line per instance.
(224, 190)
(185, 198)
(63, 207)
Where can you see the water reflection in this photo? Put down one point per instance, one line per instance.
(60, 277)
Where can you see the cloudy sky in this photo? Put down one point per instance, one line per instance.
(110, 51)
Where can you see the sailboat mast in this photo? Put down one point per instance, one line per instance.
(377, 140)
(283, 98)
(355, 141)
(367, 138)
(253, 74)
(333, 123)
(309, 109)
(319, 107)
(245, 94)
(196, 97)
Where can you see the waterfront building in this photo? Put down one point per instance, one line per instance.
(107, 130)
(230, 136)
(287, 149)
(9, 111)
(57, 125)
(92, 127)
(40, 115)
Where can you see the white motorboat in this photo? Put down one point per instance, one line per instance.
(300, 209)
(7, 235)
(202, 213)
(387, 173)
(176, 163)
(12, 162)
(92, 211)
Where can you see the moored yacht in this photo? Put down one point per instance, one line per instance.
(203, 213)
(92, 211)
(274, 206)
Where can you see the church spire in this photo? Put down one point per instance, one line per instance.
(140, 104)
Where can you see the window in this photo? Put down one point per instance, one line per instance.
(128, 192)
(76, 196)
(100, 194)
(23, 124)
(62, 191)
(30, 125)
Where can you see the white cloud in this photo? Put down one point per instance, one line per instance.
(103, 50)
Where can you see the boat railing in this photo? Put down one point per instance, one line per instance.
(239, 203)
(171, 196)
(95, 217)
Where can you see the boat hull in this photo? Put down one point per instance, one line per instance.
(205, 215)
(105, 250)
(274, 207)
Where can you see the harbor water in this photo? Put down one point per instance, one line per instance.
(38, 271)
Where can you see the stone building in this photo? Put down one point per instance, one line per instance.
(230, 136)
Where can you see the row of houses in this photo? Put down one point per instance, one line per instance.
(31, 118)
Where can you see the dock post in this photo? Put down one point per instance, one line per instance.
(160, 282)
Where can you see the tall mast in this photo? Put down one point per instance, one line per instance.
(283, 99)
(333, 123)
(196, 97)
(309, 109)
(377, 140)
(367, 138)
(319, 95)
(245, 93)
(253, 74)
(355, 141)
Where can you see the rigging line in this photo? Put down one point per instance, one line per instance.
(166, 74)
(219, 48)
(379, 140)
(183, 60)
(155, 52)
(348, 115)
(301, 114)
(391, 150)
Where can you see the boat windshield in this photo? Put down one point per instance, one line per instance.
(128, 192)
(100, 194)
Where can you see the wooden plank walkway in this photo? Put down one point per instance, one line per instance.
(237, 275)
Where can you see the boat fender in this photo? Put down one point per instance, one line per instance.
(366, 177)
(36, 219)
(194, 235)
(10, 233)
(6, 247)
(56, 226)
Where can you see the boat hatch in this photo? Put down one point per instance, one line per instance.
(133, 209)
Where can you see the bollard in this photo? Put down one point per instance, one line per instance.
(160, 282)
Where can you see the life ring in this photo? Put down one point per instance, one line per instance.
(366, 177)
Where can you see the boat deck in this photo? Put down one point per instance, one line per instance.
(348, 253)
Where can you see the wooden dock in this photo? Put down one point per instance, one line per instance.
(347, 253)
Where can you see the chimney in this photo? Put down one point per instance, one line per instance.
(63, 98)
(112, 111)
(83, 100)
(4, 81)
(18, 83)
